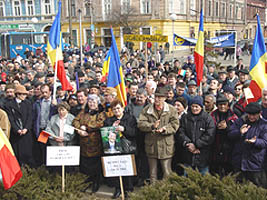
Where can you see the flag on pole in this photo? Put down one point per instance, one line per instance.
(105, 67)
(9, 165)
(115, 74)
(258, 65)
(54, 50)
(199, 50)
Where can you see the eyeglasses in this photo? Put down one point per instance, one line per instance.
(238, 89)
(22, 94)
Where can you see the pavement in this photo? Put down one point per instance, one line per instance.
(104, 192)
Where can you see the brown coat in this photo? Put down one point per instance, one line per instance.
(91, 145)
(159, 145)
(4, 123)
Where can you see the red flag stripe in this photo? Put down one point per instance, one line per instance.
(10, 168)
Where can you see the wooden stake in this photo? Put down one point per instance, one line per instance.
(63, 178)
(122, 191)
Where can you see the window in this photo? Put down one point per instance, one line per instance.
(75, 38)
(193, 7)
(238, 12)
(39, 39)
(21, 39)
(223, 5)
(177, 6)
(47, 7)
(231, 11)
(125, 6)
(146, 31)
(87, 10)
(106, 37)
(30, 7)
(217, 9)
(16, 8)
(209, 8)
(145, 6)
(73, 8)
(107, 5)
(2, 9)
(182, 6)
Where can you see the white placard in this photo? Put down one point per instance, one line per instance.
(121, 165)
(68, 129)
(66, 155)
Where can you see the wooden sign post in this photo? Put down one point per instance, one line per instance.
(118, 166)
(63, 156)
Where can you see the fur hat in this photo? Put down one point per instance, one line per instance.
(21, 89)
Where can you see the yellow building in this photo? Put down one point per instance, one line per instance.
(153, 16)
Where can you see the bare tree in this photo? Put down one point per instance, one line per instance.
(127, 17)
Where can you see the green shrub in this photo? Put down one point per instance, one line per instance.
(198, 187)
(38, 184)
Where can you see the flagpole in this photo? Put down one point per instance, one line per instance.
(55, 76)
(235, 48)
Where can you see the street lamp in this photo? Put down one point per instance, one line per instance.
(34, 21)
(173, 17)
(89, 4)
(81, 47)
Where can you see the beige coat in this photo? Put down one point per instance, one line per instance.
(4, 123)
(159, 145)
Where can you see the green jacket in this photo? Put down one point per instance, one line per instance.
(159, 145)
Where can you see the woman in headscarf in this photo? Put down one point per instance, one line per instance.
(89, 121)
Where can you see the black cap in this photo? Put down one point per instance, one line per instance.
(222, 72)
(230, 68)
(80, 74)
(50, 75)
(221, 100)
(229, 90)
(253, 108)
(245, 71)
(73, 96)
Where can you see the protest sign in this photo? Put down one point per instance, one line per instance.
(120, 165)
(63, 155)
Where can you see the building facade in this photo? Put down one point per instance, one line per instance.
(153, 17)
(27, 15)
(133, 16)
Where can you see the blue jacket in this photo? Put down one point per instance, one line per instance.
(37, 115)
(246, 156)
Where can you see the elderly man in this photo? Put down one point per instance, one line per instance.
(159, 122)
(210, 103)
(223, 118)
(248, 134)
(150, 89)
(196, 134)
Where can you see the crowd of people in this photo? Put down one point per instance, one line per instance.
(168, 120)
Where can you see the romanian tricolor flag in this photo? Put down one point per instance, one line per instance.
(258, 65)
(199, 50)
(9, 165)
(54, 51)
(115, 73)
(105, 67)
